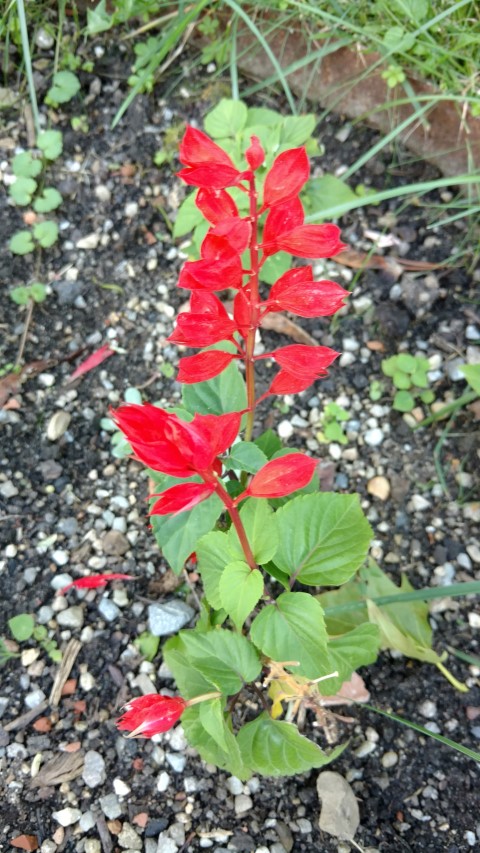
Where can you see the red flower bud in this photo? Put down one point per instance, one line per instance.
(216, 205)
(149, 715)
(255, 155)
(207, 165)
(312, 241)
(205, 365)
(296, 291)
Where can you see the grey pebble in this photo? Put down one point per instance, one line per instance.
(373, 437)
(60, 557)
(110, 806)
(129, 839)
(119, 502)
(67, 526)
(72, 617)
(168, 618)
(243, 803)
(166, 844)
(428, 709)
(44, 614)
(36, 697)
(176, 761)
(94, 772)
(108, 609)
(65, 817)
(8, 490)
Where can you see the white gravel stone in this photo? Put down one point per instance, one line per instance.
(373, 437)
(389, 759)
(163, 781)
(91, 241)
(87, 681)
(87, 821)
(473, 552)
(428, 709)
(120, 787)
(108, 609)
(176, 760)
(36, 697)
(103, 193)
(94, 773)
(418, 503)
(72, 617)
(166, 844)
(61, 558)
(110, 806)
(67, 817)
(285, 429)
(243, 803)
(335, 451)
(235, 786)
(129, 839)
(168, 618)
(131, 209)
(93, 845)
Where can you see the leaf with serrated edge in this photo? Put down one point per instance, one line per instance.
(240, 589)
(275, 748)
(213, 721)
(227, 660)
(189, 681)
(209, 750)
(346, 654)
(293, 629)
(213, 554)
(260, 526)
(177, 535)
(322, 538)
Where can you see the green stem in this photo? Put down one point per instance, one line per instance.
(28, 63)
(254, 311)
(237, 523)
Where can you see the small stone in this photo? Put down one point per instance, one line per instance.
(176, 761)
(243, 803)
(285, 429)
(418, 503)
(120, 787)
(473, 621)
(103, 193)
(94, 773)
(340, 814)
(428, 709)
(115, 544)
(93, 845)
(129, 839)
(44, 614)
(473, 552)
(464, 561)
(365, 748)
(48, 846)
(304, 825)
(87, 821)
(8, 490)
(119, 502)
(67, 817)
(163, 782)
(131, 209)
(61, 558)
(36, 697)
(168, 618)
(43, 39)
(109, 610)
(235, 786)
(379, 487)
(58, 425)
(72, 617)
(91, 241)
(373, 437)
(166, 844)
(110, 806)
(86, 681)
(389, 759)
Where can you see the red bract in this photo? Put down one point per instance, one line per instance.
(312, 241)
(255, 155)
(205, 365)
(180, 498)
(236, 232)
(216, 205)
(172, 446)
(207, 165)
(205, 324)
(301, 365)
(149, 715)
(242, 313)
(219, 268)
(281, 220)
(94, 581)
(296, 291)
(281, 477)
(290, 171)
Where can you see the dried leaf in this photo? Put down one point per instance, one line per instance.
(389, 263)
(350, 691)
(281, 324)
(9, 385)
(92, 361)
(63, 768)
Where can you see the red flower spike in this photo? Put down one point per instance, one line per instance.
(291, 383)
(304, 360)
(208, 165)
(280, 221)
(182, 497)
(205, 324)
(205, 365)
(172, 446)
(219, 268)
(312, 241)
(290, 171)
(281, 477)
(149, 715)
(255, 155)
(296, 291)
(216, 205)
(94, 580)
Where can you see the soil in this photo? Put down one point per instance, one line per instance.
(61, 497)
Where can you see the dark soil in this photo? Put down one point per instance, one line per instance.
(69, 491)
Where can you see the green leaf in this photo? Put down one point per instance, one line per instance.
(427, 397)
(275, 748)
(226, 660)
(401, 380)
(334, 432)
(322, 538)
(406, 362)
(403, 401)
(20, 295)
(275, 266)
(24, 165)
(98, 19)
(177, 535)
(471, 373)
(260, 526)
(226, 119)
(51, 143)
(213, 554)
(188, 217)
(415, 10)
(389, 365)
(240, 590)
(420, 378)
(49, 200)
(225, 393)
(213, 721)
(189, 680)
(46, 233)
(209, 749)
(21, 626)
(293, 629)
(347, 653)
(147, 644)
(296, 130)
(279, 576)
(269, 443)
(22, 243)
(246, 456)
(339, 621)
(64, 87)
(323, 192)
(262, 115)
(22, 191)
(38, 292)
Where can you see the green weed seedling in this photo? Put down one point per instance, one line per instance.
(333, 418)
(22, 628)
(409, 376)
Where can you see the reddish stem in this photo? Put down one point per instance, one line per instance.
(254, 310)
(237, 523)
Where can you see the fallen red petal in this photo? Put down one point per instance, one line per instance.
(93, 360)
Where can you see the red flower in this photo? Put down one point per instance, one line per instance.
(149, 715)
(207, 165)
(281, 477)
(179, 448)
(180, 498)
(296, 291)
(205, 324)
(220, 266)
(205, 365)
(216, 205)
(290, 171)
(281, 220)
(301, 365)
(94, 581)
(312, 241)
(254, 155)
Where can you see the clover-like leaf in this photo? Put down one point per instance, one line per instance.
(46, 233)
(50, 143)
(64, 87)
(22, 190)
(49, 200)
(24, 165)
(20, 295)
(22, 243)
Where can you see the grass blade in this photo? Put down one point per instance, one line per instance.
(458, 747)
(233, 61)
(28, 64)
(426, 594)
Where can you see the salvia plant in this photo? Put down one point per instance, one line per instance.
(248, 513)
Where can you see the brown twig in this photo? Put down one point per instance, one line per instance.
(26, 326)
